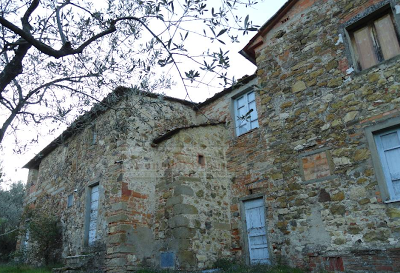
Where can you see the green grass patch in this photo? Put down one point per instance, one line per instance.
(231, 268)
(235, 268)
(23, 269)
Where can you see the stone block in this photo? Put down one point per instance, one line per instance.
(393, 212)
(338, 197)
(116, 238)
(119, 206)
(187, 258)
(172, 201)
(117, 218)
(298, 87)
(184, 209)
(116, 262)
(124, 249)
(178, 221)
(222, 226)
(183, 190)
(183, 233)
(338, 209)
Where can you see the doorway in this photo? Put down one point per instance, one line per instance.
(256, 231)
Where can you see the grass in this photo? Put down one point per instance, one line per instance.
(233, 268)
(23, 269)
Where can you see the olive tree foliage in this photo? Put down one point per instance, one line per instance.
(11, 206)
(58, 58)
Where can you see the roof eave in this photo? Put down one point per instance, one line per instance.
(249, 49)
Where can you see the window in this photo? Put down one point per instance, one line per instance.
(201, 160)
(374, 39)
(70, 200)
(93, 139)
(245, 113)
(92, 210)
(388, 146)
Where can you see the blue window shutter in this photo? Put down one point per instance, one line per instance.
(246, 117)
(388, 145)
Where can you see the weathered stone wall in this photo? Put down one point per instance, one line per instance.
(119, 161)
(131, 218)
(312, 159)
(193, 219)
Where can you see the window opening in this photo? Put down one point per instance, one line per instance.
(201, 160)
(374, 40)
(245, 113)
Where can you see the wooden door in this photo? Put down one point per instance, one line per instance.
(94, 206)
(256, 231)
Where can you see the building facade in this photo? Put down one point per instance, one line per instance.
(298, 164)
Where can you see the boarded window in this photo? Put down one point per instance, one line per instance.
(374, 40)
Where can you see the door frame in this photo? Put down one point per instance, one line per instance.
(246, 252)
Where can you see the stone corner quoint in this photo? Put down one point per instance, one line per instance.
(299, 163)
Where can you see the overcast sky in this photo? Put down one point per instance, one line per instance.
(12, 163)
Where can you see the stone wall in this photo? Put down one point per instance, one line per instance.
(113, 151)
(192, 219)
(310, 156)
(180, 204)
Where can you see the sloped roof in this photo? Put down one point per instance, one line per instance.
(174, 131)
(248, 51)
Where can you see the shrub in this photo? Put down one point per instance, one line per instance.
(45, 236)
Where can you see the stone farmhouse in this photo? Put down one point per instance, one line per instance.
(297, 164)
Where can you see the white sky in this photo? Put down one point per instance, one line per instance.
(12, 163)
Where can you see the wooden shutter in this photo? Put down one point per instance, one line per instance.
(365, 47)
(387, 37)
(246, 113)
(388, 145)
(251, 98)
(241, 110)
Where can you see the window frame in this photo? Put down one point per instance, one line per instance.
(235, 112)
(371, 133)
(367, 18)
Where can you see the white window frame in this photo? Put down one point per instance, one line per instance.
(393, 196)
(251, 122)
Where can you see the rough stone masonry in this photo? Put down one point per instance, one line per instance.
(174, 177)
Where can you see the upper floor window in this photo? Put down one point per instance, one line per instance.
(70, 200)
(388, 146)
(246, 117)
(374, 39)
